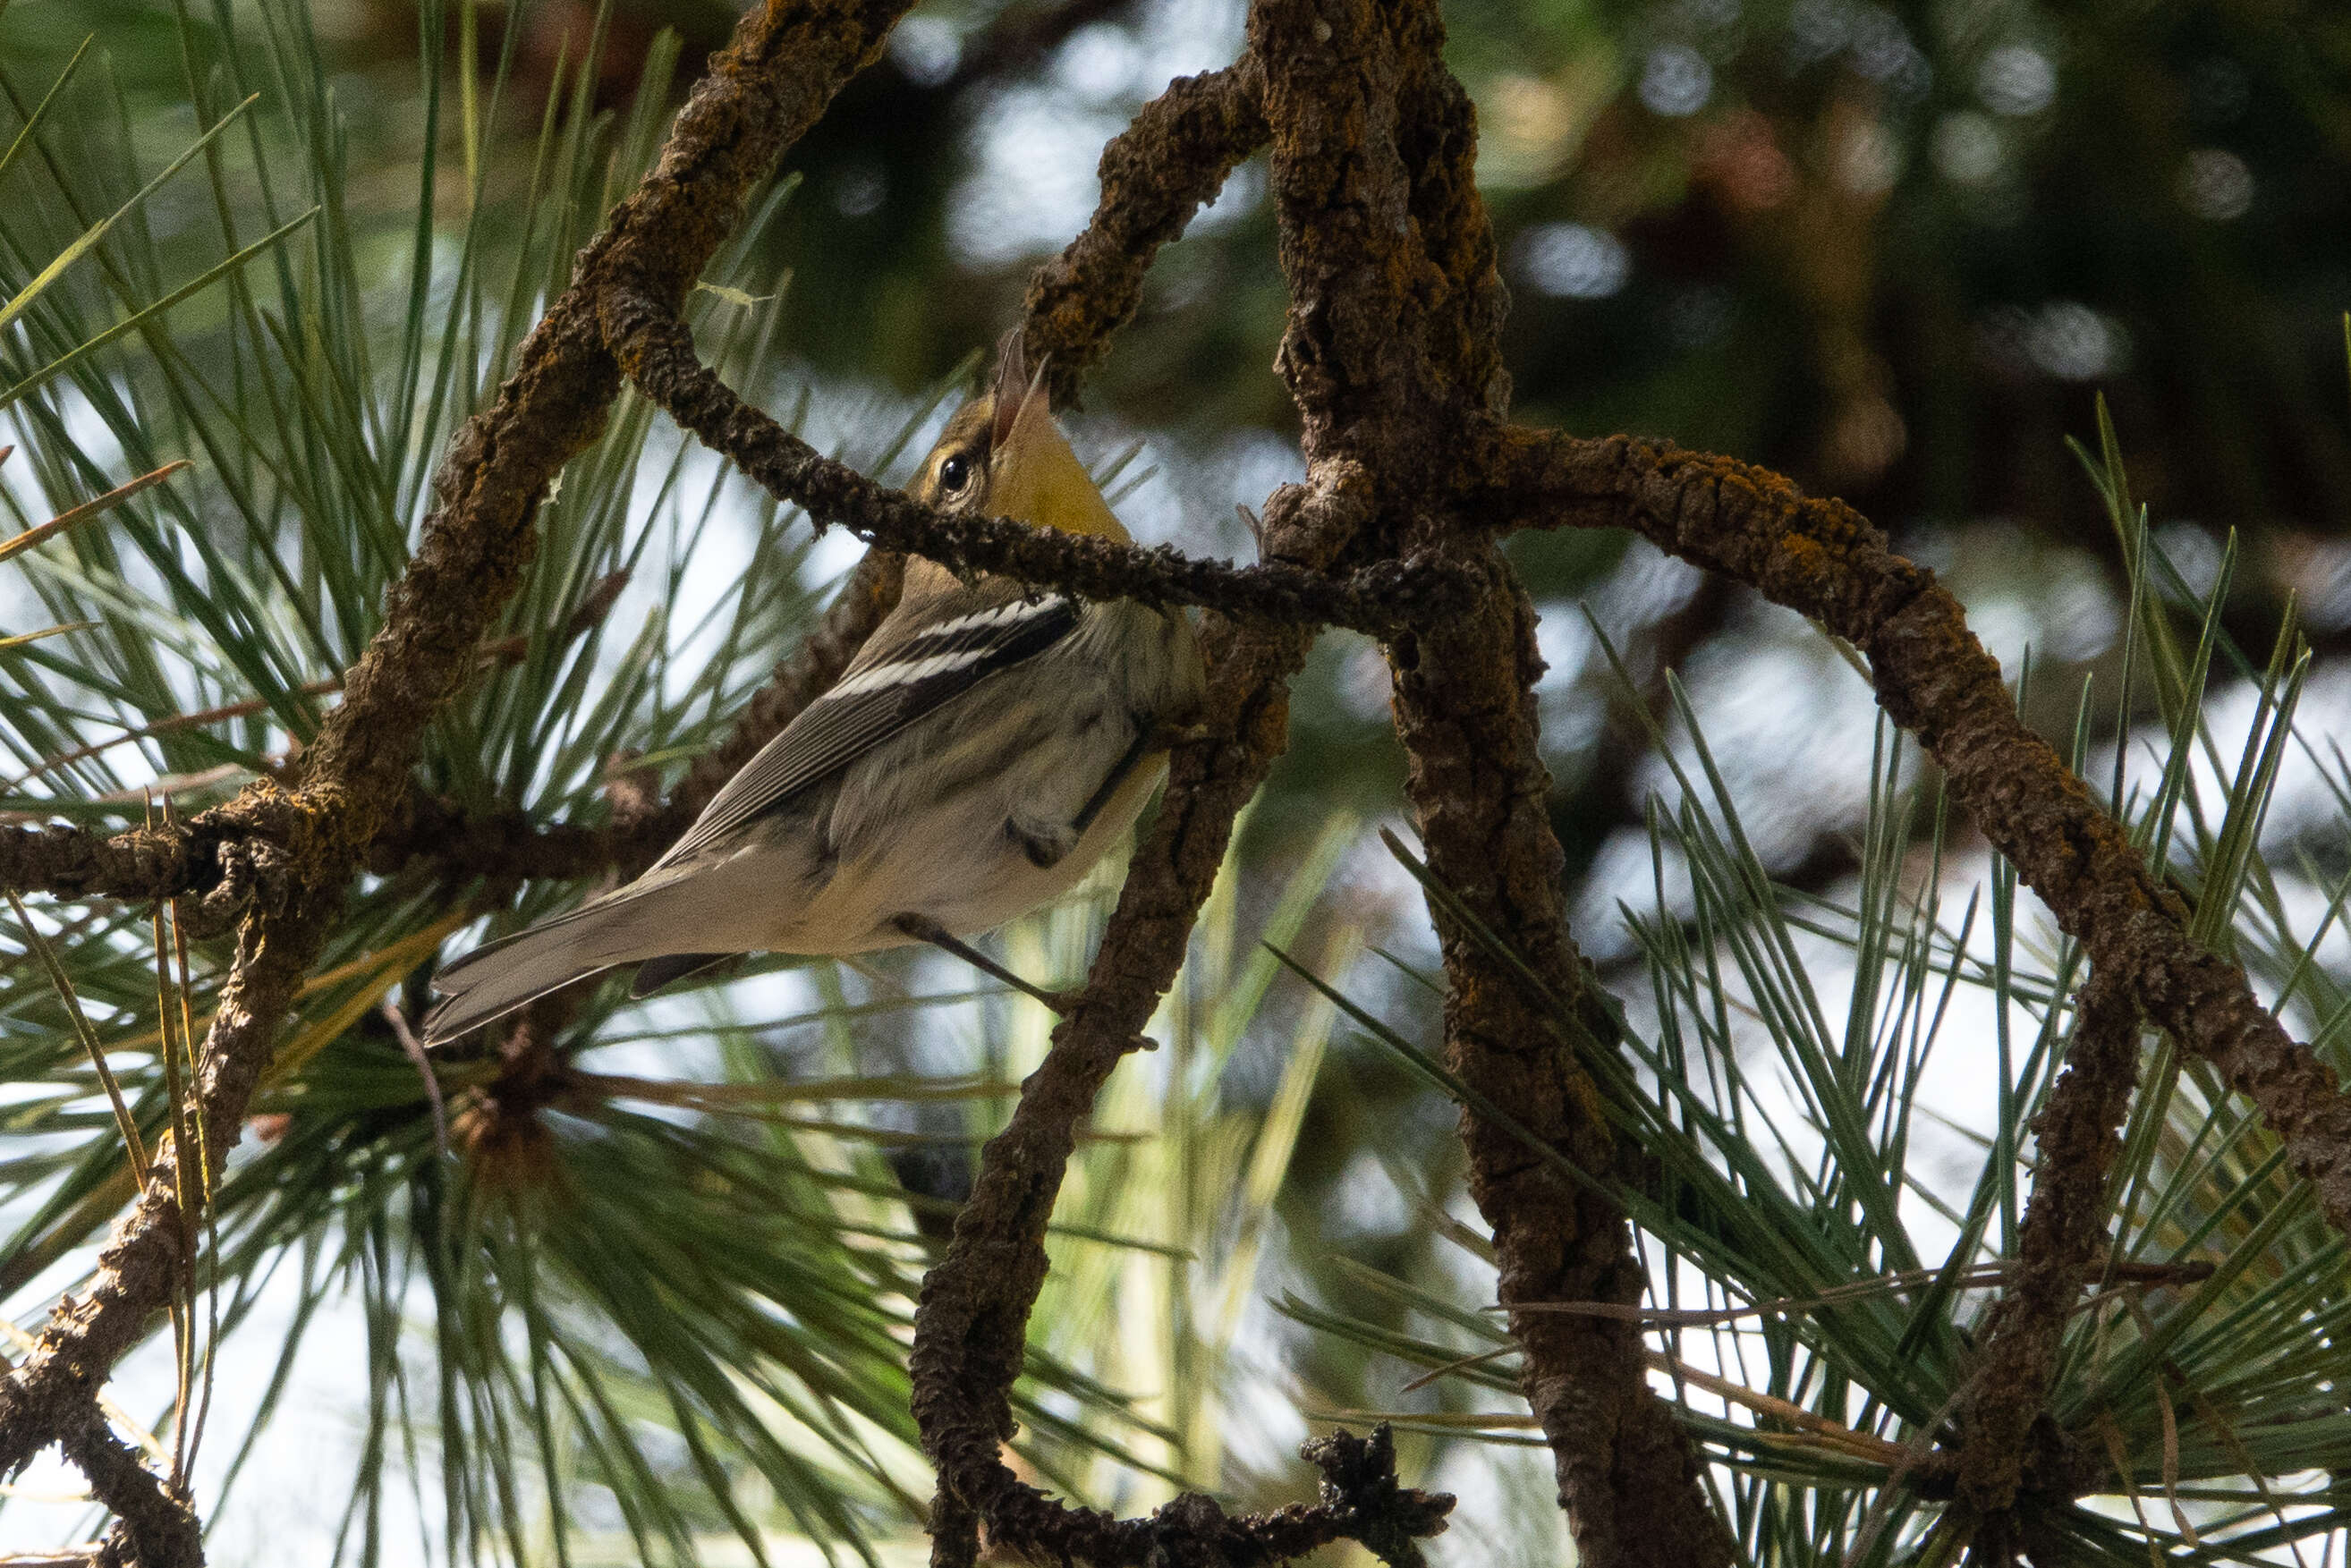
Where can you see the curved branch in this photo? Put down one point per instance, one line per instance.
(657, 350)
(784, 64)
(156, 1524)
(1823, 559)
(1156, 175)
(970, 1330)
(1361, 1501)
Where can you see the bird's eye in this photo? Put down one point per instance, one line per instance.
(953, 475)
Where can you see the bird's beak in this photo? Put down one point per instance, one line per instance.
(1033, 476)
(1023, 423)
(1016, 388)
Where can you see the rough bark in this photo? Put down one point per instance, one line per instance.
(1823, 559)
(1154, 175)
(2006, 1423)
(1392, 353)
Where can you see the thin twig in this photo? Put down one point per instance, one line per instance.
(96, 507)
(414, 1049)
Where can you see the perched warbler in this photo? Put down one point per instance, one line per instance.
(985, 748)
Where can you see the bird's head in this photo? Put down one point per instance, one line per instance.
(1002, 455)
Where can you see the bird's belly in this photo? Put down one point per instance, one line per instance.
(956, 866)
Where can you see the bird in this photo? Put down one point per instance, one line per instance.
(979, 754)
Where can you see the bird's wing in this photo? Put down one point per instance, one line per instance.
(888, 687)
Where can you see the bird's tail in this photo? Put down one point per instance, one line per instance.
(500, 976)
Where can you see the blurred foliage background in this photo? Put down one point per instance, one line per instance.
(1893, 251)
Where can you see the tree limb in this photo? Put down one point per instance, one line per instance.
(1821, 559)
(73, 862)
(52, 1391)
(1361, 1501)
(2064, 1231)
(657, 350)
(970, 1329)
(1154, 175)
(970, 1334)
(1392, 354)
(156, 1527)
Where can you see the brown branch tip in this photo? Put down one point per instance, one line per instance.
(1360, 1501)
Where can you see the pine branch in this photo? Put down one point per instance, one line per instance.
(1361, 1501)
(72, 862)
(1392, 354)
(784, 66)
(970, 1330)
(657, 350)
(1154, 175)
(2058, 1245)
(1821, 559)
(970, 1334)
(155, 1528)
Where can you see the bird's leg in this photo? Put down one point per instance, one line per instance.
(923, 929)
(1046, 846)
(1118, 776)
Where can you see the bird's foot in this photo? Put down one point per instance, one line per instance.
(923, 929)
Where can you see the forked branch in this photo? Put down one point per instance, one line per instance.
(971, 1328)
(1823, 559)
(1392, 353)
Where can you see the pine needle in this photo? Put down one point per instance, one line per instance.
(38, 946)
(96, 506)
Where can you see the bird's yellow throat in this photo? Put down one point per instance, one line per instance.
(1035, 477)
